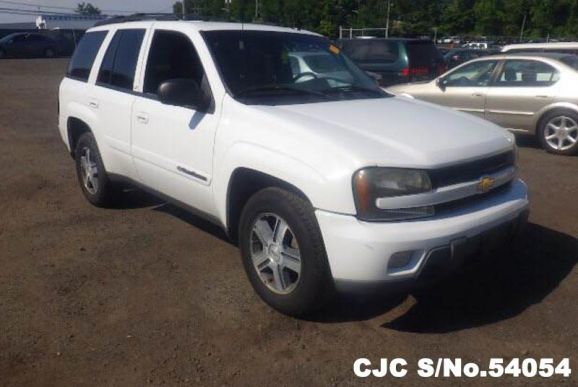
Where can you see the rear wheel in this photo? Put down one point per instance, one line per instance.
(94, 182)
(2, 54)
(559, 133)
(283, 252)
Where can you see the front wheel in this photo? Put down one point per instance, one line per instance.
(559, 133)
(283, 252)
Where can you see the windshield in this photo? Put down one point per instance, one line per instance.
(266, 67)
(8, 37)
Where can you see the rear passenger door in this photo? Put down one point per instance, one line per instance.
(172, 146)
(521, 89)
(112, 98)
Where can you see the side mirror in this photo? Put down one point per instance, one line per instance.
(441, 83)
(181, 92)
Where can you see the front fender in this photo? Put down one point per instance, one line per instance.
(322, 192)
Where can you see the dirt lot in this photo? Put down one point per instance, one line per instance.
(147, 294)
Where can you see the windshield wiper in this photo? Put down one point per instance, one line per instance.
(279, 88)
(356, 88)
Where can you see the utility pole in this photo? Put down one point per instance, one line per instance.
(184, 10)
(523, 26)
(387, 22)
(256, 9)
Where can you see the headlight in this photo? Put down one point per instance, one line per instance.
(369, 184)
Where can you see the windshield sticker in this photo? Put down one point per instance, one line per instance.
(334, 49)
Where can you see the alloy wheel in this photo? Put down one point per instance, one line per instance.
(89, 171)
(275, 253)
(561, 133)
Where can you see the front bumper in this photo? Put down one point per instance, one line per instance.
(360, 252)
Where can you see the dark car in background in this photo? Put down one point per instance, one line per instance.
(28, 45)
(395, 60)
(457, 56)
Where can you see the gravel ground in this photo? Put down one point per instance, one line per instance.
(148, 294)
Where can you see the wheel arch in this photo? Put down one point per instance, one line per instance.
(244, 183)
(546, 111)
(75, 127)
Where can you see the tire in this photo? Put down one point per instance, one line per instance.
(49, 53)
(302, 285)
(558, 132)
(95, 184)
(3, 54)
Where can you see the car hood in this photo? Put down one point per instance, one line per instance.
(394, 131)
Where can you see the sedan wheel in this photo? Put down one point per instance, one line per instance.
(561, 133)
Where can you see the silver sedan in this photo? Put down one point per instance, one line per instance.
(531, 94)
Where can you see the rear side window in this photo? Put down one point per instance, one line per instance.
(83, 58)
(422, 54)
(119, 63)
(372, 50)
(527, 73)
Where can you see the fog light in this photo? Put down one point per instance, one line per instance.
(399, 260)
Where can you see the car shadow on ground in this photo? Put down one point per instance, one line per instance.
(194, 220)
(133, 198)
(479, 294)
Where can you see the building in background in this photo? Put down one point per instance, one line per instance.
(67, 22)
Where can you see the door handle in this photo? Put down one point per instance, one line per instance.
(477, 95)
(93, 103)
(543, 96)
(142, 118)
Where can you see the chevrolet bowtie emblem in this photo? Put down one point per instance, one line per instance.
(486, 184)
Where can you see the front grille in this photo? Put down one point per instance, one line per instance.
(472, 170)
(456, 205)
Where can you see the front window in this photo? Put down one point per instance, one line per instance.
(476, 74)
(265, 67)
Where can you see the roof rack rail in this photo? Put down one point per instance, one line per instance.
(137, 17)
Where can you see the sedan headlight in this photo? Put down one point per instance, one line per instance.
(369, 184)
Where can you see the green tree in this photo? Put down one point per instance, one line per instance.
(87, 9)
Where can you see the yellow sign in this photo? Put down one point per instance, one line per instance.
(334, 49)
(486, 184)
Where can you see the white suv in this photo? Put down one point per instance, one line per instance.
(324, 180)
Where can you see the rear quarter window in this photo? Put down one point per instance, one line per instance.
(84, 55)
(372, 51)
(423, 54)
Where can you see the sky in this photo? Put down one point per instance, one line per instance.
(67, 6)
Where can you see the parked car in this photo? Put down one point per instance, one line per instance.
(395, 60)
(531, 94)
(458, 56)
(28, 45)
(325, 183)
(561, 47)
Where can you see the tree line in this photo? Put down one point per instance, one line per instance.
(504, 18)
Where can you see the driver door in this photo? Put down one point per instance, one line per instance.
(466, 87)
(172, 146)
